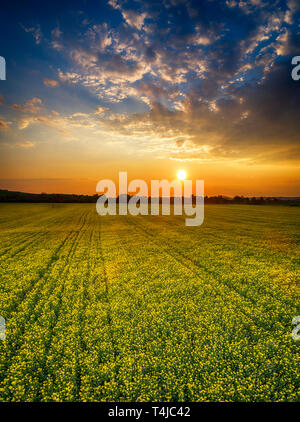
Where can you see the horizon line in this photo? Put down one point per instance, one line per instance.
(116, 197)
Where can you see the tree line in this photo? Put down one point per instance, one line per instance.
(12, 196)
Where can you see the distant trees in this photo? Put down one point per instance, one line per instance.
(11, 196)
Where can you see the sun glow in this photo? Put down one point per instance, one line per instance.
(181, 175)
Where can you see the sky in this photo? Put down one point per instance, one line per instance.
(150, 87)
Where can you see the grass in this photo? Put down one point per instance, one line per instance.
(144, 308)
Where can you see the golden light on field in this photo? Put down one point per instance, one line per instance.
(181, 175)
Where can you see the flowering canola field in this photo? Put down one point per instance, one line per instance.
(123, 308)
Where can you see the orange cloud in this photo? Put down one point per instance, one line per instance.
(101, 110)
(31, 106)
(3, 125)
(26, 144)
(50, 82)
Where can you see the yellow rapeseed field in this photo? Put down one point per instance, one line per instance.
(123, 308)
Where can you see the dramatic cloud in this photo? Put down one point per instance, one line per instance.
(187, 80)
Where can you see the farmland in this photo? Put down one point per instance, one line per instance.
(123, 308)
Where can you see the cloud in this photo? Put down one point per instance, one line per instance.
(114, 4)
(64, 124)
(292, 7)
(56, 39)
(101, 110)
(32, 106)
(134, 19)
(3, 125)
(195, 80)
(50, 82)
(265, 120)
(36, 33)
(100, 36)
(26, 144)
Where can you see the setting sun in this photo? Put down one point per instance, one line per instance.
(181, 175)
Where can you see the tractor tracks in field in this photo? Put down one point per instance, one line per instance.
(43, 273)
(26, 240)
(96, 239)
(170, 222)
(20, 221)
(109, 310)
(82, 313)
(62, 274)
(195, 268)
(58, 310)
(46, 272)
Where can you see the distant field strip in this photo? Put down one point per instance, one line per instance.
(124, 308)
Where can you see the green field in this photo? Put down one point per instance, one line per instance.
(147, 309)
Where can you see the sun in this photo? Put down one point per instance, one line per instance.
(181, 174)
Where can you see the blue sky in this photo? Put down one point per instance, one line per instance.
(146, 85)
